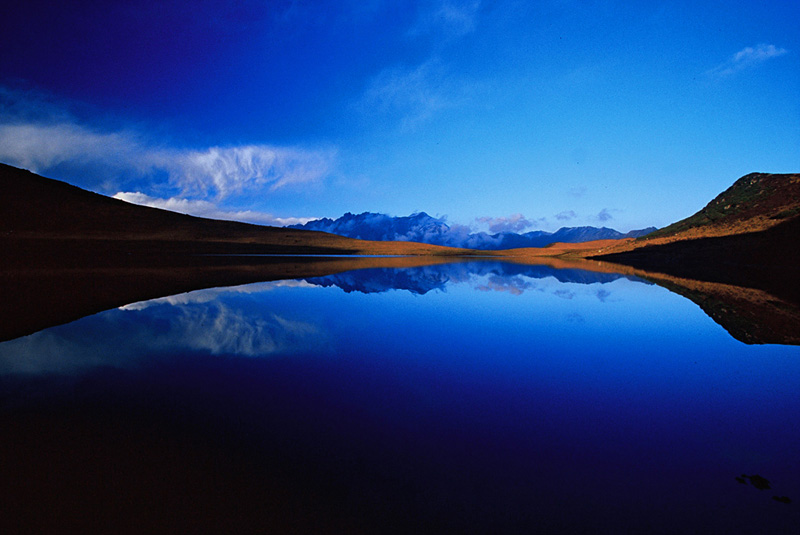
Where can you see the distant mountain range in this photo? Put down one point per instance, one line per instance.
(423, 228)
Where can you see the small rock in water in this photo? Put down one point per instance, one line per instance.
(782, 499)
(761, 483)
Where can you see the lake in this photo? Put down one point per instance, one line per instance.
(468, 397)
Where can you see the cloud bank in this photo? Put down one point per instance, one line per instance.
(41, 135)
(214, 172)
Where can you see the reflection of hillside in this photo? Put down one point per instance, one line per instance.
(746, 282)
(766, 260)
(750, 314)
(423, 279)
(39, 296)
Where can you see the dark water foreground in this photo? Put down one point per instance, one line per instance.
(375, 396)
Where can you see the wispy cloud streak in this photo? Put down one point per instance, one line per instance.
(415, 93)
(215, 172)
(224, 171)
(38, 135)
(448, 19)
(37, 147)
(746, 58)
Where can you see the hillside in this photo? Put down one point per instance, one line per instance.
(747, 236)
(46, 218)
(755, 202)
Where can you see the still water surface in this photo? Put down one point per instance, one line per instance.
(474, 397)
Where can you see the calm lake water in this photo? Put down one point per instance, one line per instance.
(474, 397)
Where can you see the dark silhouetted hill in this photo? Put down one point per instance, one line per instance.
(46, 219)
(755, 202)
(747, 236)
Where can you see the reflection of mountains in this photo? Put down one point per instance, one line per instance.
(423, 279)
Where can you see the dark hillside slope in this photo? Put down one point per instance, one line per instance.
(768, 260)
(35, 209)
(45, 218)
(754, 202)
(749, 235)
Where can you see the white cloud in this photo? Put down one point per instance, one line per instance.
(746, 58)
(512, 223)
(209, 210)
(605, 215)
(221, 172)
(39, 135)
(216, 172)
(37, 147)
(566, 215)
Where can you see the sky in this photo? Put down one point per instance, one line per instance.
(518, 115)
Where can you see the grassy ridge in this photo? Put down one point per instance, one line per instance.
(755, 196)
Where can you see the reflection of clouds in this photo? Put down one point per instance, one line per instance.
(210, 294)
(564, 293)
(574, 317)
(221, 330)
(602, 295)
(519, 284)
(515, 285)
(120, 338)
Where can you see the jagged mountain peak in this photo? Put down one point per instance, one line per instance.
(421, 227)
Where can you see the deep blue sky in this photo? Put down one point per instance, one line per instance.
(568, 112)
